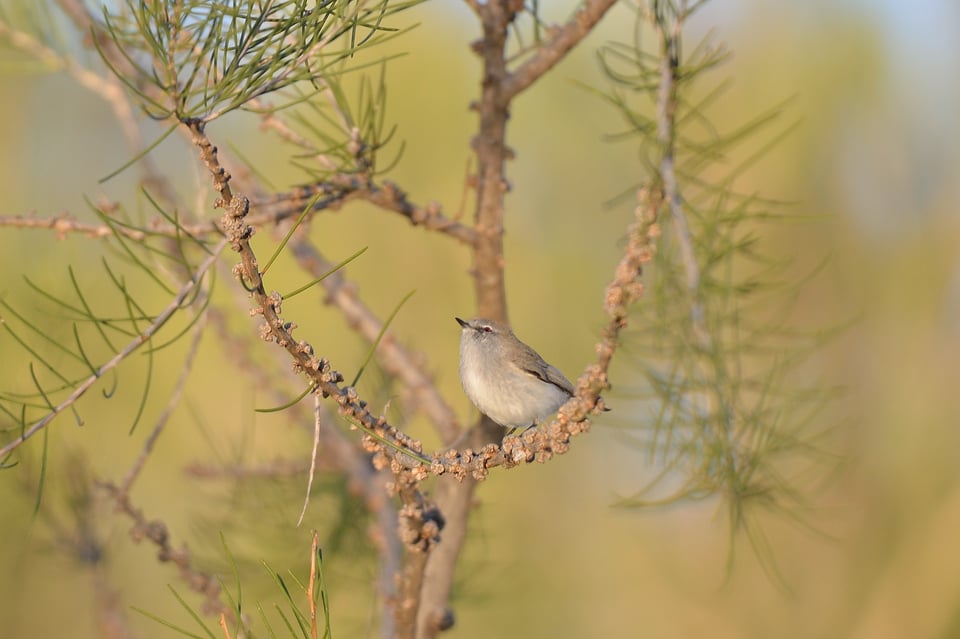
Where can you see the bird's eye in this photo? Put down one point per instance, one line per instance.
(487, 329)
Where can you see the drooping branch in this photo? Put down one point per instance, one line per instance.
(390, 446)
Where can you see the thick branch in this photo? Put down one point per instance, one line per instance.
(490, 147)
(498, 89)
(454, 499)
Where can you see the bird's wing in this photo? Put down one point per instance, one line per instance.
(555, 377)
(549, 374)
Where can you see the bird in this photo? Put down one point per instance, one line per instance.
(506, 380)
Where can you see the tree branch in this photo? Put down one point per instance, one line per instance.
(491, 150)
(392, 355)
(271, 210)
(669, 35)
(553, 51)
(156, 532)
(345, 456)
(343, 188)
(454, 498)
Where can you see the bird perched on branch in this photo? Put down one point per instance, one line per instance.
(506, 379)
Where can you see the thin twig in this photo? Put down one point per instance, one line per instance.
(273, 210)
(556, 48)
(137, 342)
(343, 188)
(314, 548)
(271, 121)
(313, 456)
(223, 626)
(173, 402)
(669, 34)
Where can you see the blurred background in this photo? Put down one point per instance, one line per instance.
(873, 171)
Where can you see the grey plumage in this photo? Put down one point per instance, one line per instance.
(506, 379)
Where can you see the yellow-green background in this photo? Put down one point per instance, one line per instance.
(875, 158)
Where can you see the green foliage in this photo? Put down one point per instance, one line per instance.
(295, 595)
(104, 333)
(337, 132)
(726, 416)
(380, 334)
(196, 60)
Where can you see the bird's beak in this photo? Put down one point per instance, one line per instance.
(462, 323)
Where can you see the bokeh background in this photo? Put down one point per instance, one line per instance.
(873, 171)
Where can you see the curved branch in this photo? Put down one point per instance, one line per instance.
(392, 355)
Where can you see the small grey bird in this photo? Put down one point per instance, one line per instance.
(506, 379)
